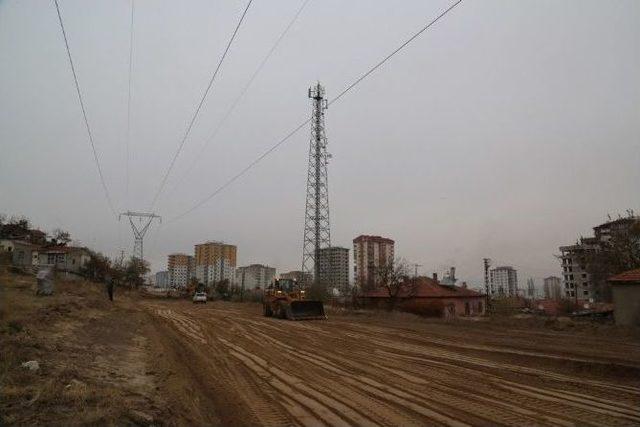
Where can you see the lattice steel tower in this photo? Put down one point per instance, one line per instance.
(317, 232)
(139, 231)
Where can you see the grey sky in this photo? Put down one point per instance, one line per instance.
(506, 130)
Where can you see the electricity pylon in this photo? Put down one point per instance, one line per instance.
(139, 232)
(317, 232)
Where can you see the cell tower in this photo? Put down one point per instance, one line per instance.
(317, 232)
(139, 230)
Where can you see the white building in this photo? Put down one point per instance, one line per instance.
(180, 268)
(504, 281)
(255, 276)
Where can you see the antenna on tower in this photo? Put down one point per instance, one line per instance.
(139, 230)
(317, 232)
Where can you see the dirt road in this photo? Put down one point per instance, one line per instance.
(140, 361)
(232, 366)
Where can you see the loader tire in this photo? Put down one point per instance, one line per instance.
(266, 309)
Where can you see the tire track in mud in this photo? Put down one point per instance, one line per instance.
(577, 410)
(184, 324)
(433, 352)
(443, 400)
(357, 374)
(357, 396)
(486, 348)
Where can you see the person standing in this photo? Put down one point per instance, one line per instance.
(109, 280)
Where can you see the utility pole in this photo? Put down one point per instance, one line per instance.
(415, 269)
(139, 231)
(487, 264)
(317, 232)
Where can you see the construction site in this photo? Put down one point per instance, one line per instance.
(144, 361)
(461, 132)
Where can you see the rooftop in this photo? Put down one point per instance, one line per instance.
(627, 276)
(425, 287)
(380, 239)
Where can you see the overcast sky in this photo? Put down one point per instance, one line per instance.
(506, 130)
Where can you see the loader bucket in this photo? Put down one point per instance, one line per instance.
(299, 310)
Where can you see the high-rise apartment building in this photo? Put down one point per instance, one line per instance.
(215, 261)
(180, 268)
(298, 276)
(553, 288)
(333, 269)
(504, 281)
(255, 276)
(369, 253)
(574, 258)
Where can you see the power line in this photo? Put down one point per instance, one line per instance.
(195, 115)
(241, 95)
(128, 137)
(300, 126)
(243, 171)
(386, 58)
(84, 112)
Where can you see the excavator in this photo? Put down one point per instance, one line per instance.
(285, 299)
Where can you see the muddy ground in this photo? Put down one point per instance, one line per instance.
(157, 362)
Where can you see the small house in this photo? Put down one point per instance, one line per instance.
(626, 297)
(428, 297)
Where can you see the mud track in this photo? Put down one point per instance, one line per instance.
(232, 366)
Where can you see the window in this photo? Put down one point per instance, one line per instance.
(584, 275)
(585, 292)
(60, 258)
(51, 258)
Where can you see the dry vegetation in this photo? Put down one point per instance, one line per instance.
(84, 353)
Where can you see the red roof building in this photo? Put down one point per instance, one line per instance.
(428, 297)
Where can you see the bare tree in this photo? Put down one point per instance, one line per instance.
(394, 278)
(60, 237)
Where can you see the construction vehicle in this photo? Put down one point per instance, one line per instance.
(285, 299)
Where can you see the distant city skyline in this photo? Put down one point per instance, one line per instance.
(486, 137)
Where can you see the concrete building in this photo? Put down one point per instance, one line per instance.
(255, 276)
(553, 288)
(162, 279)
(21, 253)
(215, 261)
(299, 276)
(626, 297)
(180, 269)
(71, 259)
(334, 267)
(369, 253)
(504, 281)
(576, 279)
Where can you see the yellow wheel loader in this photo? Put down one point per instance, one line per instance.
(285, 299)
